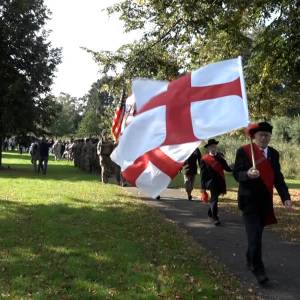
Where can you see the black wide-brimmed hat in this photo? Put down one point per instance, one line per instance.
(211, 142)
(261, 126)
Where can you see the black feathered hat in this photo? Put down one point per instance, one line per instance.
(211, 142)
(261, 126)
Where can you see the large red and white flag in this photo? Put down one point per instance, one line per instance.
(172, 118)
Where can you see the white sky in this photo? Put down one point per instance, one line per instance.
(81, 23)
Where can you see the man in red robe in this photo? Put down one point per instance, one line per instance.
(212, 168)
(255, 194)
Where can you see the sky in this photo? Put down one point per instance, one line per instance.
(82, 23)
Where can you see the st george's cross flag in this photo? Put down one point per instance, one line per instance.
(172, 118)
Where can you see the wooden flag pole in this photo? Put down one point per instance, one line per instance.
(252, 153)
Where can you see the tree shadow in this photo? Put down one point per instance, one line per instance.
(56, 251)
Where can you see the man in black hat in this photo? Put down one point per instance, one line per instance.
(189, 170)
(212, 167)
(255, 195)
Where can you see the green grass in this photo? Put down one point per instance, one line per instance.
(67, 236)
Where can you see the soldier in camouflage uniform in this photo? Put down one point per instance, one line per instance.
(104, 148)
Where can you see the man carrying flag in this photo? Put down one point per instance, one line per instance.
(257, 169)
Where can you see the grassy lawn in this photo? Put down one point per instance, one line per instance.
(288, 220)
(67, 236)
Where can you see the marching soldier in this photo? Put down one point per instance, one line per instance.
(212, 167)
(257, 172)
(104, 148)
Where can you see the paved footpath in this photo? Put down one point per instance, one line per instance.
(228, 243)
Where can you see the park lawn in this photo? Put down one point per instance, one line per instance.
(65, 235)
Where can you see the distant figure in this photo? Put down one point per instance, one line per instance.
(104, 148)
(34, 151)
(189, 171)
(44, 156)
(62, 149)
(5, 144)
(56, 149)
(213, 165)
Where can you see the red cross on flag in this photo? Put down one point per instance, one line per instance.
(172, 118)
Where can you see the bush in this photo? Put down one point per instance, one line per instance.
(282, 129)
(295, 130)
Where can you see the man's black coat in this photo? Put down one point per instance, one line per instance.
(210, 179)
(253, 196)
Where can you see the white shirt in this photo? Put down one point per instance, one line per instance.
(265, 152)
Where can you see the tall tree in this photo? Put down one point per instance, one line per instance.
(192, 33)
(99, 108)
(69, 115)
(27, 65)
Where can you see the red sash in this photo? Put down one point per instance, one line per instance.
(266, 175)
(214, 164)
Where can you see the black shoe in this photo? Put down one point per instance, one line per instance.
(190, 198)
(249, 265)
(261, 277)
(211, 219)
(217, 222)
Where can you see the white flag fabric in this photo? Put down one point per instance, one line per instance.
(172, 118)
(129, 112)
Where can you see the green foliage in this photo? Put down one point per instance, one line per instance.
(90, 124)
(27, 65)
(188, 34)
(282, 129)
(295, 130)
(67, 117)
(99, 108)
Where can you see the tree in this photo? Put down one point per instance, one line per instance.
(99, 108)
(68, 116)
(192, 33)
(27, 65)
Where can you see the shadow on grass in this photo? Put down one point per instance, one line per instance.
(54, 172)
(58, 251)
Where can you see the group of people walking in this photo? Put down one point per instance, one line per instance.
(257, 171)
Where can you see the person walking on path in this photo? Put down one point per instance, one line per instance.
(257, 170)
(212, 167)
(189, 170)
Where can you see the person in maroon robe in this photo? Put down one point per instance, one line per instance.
(255, 193)
(212, 168)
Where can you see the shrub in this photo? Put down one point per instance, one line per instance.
(295, 130)
(282, 129)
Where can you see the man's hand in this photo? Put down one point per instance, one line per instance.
(288, 204)
(253, 173)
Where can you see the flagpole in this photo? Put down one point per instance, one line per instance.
(252, 153)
